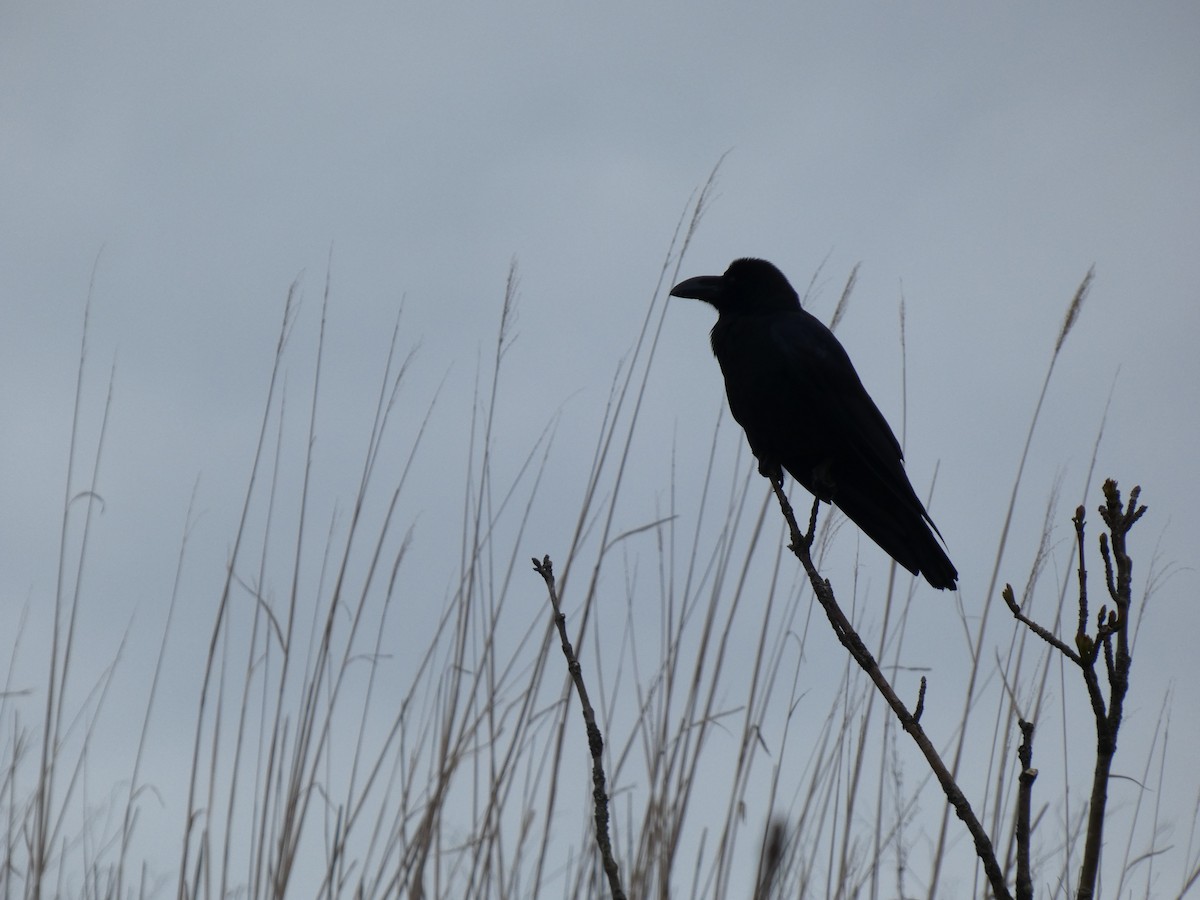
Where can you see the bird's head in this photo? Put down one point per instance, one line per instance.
(749, 287)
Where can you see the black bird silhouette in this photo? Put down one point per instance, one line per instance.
(793, 389)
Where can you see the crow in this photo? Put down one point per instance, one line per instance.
(792, 388)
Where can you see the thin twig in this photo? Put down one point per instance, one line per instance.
(1024, 802)
(595, 740)
(1037, 629)
(1113, 628)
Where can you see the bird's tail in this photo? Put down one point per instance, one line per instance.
(899, 524)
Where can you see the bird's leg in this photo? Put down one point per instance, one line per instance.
(773, 472)
(823, 484)
(770, 471)
(812, 523)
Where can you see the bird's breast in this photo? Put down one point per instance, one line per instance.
(770, 394)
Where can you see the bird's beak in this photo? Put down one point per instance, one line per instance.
(703, 287)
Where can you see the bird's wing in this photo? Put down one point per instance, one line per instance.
(829, 393)
(867, 459)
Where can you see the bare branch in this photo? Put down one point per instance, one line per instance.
(850, 639)
(1024, 802)
(595, 740)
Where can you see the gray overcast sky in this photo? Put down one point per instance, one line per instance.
(976, 158)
